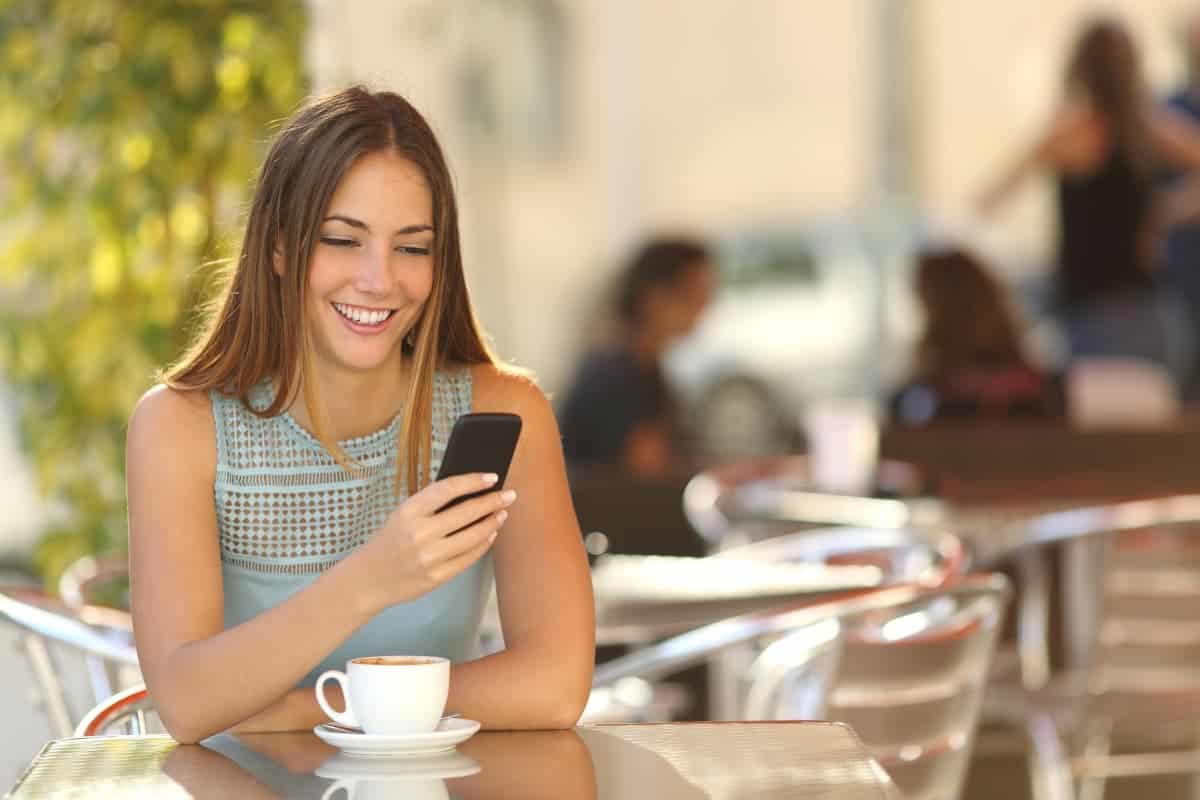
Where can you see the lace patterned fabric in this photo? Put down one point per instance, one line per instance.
(286, 512)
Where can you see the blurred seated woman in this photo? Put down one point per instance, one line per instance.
(969, 362)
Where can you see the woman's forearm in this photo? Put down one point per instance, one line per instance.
(207, 686)
(509, 690)
(295, 711)
(521, 689)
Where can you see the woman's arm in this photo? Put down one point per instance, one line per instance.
(1054, 146)
(204, 678)
(1175, 137)
(543, 676)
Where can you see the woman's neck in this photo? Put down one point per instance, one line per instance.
(646, 345)
(355, 404)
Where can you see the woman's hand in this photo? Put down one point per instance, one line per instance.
(423, 544)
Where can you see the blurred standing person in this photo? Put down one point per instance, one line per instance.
(619, 410)
(1104, 145)
(1182, 249)
(970, 362)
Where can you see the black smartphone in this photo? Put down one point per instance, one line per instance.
(482, 442)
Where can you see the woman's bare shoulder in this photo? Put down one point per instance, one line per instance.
(173, 419)
(504, 388)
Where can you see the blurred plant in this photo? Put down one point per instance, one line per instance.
(129, 134)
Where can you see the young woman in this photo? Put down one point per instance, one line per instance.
(1105, 145)
(970, 361)
(281, 513)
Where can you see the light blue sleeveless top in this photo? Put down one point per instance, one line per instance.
(286, 512)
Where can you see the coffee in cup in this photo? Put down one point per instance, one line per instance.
(389, 694)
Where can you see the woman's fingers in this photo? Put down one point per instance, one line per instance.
(460, 516)
(455, 553)
(437, 494)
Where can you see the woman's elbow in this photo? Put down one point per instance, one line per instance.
(180, 720)
(564, 707)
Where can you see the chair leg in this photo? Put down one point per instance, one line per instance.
(1097, 745)
(1050, 773)
(1033, 620)
(42, 664)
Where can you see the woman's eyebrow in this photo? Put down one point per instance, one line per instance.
(358, 223)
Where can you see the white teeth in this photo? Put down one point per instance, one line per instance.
(361, 315)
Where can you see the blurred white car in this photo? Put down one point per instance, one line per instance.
(801, 313)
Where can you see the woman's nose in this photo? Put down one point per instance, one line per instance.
(372, 274)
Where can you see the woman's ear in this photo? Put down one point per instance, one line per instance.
(277, 258)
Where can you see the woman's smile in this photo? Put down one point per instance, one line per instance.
(364, 320)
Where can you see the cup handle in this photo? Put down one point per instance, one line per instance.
(346, 717)
(341, 783)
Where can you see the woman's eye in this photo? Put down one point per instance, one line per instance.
(412, 250)
(337, 241)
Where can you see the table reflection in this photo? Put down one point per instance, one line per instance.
(532, 764)
(786, 760)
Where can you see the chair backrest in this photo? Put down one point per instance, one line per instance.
(96, 580)
(130, 712)
(57, 642)
(1146, 637)
(764, 497)
(902, 555)
(908, 679)
(904, 666)
(1130, 599)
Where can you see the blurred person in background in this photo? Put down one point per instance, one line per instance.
(1182, 248)
(619, 411)
(970, 363)
(1105, 145)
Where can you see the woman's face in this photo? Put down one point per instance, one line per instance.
(372, 270)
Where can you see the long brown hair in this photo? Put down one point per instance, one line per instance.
(250, 332)
(1106, 66)
(968, 321)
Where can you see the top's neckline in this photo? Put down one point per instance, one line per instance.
(388, 431)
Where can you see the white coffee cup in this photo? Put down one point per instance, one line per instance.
(389, 694)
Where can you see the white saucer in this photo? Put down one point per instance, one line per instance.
(449, 732)
(411, 768)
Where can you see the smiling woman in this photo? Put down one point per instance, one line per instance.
(282, 515)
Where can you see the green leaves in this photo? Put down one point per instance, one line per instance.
(130, 133)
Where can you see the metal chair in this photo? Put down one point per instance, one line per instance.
(758, 498)
(96, 580)
(905, 666)
(97, 586)
(52, 635)
(1134, 649)
(901, 555)
(127, 713)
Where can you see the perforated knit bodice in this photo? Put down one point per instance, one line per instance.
(286, 512)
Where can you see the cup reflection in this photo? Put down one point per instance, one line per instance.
(414, 778)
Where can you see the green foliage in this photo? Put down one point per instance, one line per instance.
(129, 134)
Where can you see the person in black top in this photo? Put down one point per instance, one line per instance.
(1181, 268)
(970, 364)
(1104, 145)
(619, 410)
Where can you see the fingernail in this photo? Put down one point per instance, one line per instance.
(503, 515)
(508, 495)
(492, 536)
(490, 478)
